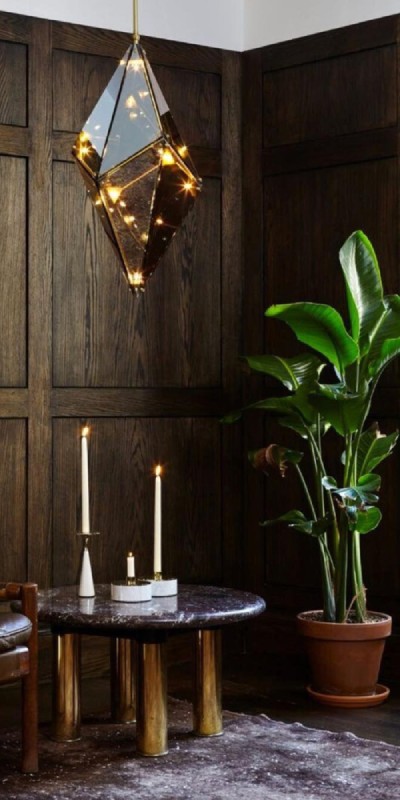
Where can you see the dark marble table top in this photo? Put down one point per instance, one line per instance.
(193, 607)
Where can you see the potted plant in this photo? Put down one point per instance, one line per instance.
(339, 509)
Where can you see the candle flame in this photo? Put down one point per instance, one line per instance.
(85, 430)
(130, 555)
(158, 470)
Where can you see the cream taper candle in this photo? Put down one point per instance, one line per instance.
(157, 522)
(85, 481)
(130, 566)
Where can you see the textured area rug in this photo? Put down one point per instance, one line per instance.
(255, 759)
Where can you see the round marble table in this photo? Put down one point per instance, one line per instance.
(202, 609)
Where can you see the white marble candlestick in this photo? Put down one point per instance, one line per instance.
(86, 583)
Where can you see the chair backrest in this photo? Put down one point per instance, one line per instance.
(26, 669)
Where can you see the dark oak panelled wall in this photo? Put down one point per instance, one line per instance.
(297, 145)
(321, 161)
(150, 376)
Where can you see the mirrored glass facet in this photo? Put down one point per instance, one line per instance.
(97, 126)
(136, 122)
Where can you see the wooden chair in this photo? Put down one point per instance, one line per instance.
(19, 659)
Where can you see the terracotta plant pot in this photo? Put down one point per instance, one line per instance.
(345, 658)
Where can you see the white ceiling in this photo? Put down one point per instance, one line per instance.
(231, 24)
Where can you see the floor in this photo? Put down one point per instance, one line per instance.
(276, 687)
(251, 685)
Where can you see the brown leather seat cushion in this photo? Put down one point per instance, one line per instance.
(15, 629)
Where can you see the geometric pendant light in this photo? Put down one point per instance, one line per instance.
(136, 168)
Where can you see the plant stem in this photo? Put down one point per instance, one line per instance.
(327, 564)
(358, 584)
(306, 491)
(342, 568)
(327, 584)
(316, 454)
(352, 462)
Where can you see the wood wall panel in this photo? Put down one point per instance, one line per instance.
(13, 322)
(381, 549)
(13, 500)
(105, 337)
(13, 84)
(329, 155)
(184, 301)
(193, 97)
(333, 202)
(83, 78)
(98, 41)
(330, 44)
(341, 95)
(94, 316)
(153, 375)
(39, 453)
(194, 101)
(123, 453)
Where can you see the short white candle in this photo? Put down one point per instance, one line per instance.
(130, 566)
(157, 522)
(85, 481)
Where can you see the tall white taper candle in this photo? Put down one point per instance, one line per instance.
(157, 522)
(85, 481)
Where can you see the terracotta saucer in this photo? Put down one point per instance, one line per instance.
(351, 701)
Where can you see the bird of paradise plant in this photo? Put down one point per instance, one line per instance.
(341, 509)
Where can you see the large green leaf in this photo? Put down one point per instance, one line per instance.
(297, 520)
(320, 327)
(275, 405)
(233, 416)
(290, 371)
(345, 412)
(356, 497)
(296, 404)
(367, 519)
(364, 287)
(373, 448)
(295, 423)
(385, 341)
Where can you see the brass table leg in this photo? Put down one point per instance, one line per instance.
(207, 709)
(122, 680)
(151, 699)
(66, 687)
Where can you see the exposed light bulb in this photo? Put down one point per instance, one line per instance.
(167, 157)
(130, 102)
(135, 64)
(136, 281)
(114, 193)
